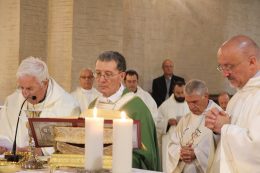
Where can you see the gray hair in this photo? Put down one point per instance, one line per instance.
(223, 93)
(114, 56)
(197, 87)
(85, 69)
(32, 66)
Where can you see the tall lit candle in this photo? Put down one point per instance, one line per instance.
(94, 142)
(122, 145)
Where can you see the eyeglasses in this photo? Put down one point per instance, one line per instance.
(228, 67)
(106, 75)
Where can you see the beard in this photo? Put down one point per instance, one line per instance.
(179, 99)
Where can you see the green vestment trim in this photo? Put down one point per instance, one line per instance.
(148, 156)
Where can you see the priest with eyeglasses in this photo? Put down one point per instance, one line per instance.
(109, 74)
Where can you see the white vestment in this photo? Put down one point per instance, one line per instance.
(85, 97)
(57, 103)
(149, 101)
(170, 108)
(202, 143)
(239, 147)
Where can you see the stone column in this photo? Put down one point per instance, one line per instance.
(9, 49)
(60, 26)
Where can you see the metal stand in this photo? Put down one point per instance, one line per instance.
(32, 162)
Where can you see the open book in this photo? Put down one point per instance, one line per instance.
(44, 136)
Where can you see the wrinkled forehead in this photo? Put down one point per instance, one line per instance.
(192, 97)
(27, 81)
(237, 49)
(86, 73)
(167, 63)
(229, 55)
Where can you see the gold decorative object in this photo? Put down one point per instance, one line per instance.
(75, 160)
(32, 162)
(76, 135)
(6, 166)
(106, 114)
(67, 139)
(66, 148)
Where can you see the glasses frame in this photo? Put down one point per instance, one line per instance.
(87, 77)
(106, 76)
(230, 67)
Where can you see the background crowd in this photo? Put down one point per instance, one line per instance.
(182, 128)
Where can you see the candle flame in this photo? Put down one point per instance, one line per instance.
(95, 112)
(123, 115)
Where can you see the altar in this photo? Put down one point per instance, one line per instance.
(11, 168)
(72, 171)
(73, 137)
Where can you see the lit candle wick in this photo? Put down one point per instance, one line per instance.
(95, 112)
(123, 116)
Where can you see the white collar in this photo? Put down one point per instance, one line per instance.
(85, 90)
(113, 98)
(257, 74)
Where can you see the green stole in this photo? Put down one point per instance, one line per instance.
(147, 157)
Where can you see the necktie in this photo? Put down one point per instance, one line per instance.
(168, 83)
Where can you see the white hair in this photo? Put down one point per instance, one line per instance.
(85, 69)
(32, 66)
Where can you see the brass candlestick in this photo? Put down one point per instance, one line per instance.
(32, 162)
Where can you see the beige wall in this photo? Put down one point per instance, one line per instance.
(60, 25)
(9, 45)
(97, 26)
(33, 28)
(70, 34)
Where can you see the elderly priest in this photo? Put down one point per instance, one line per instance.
(38, 92)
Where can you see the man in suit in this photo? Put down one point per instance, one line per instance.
(162, 86)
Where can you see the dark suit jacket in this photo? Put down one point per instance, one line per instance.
(160, 89)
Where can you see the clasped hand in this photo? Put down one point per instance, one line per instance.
(187, 154)
(215, 119)
(172, 122)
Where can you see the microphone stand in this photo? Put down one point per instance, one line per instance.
(14, 157)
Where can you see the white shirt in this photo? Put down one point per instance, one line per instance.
(85, 97)
(170, 108)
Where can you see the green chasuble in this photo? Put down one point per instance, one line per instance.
(148, 156)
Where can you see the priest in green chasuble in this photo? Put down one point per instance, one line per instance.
(109, 75)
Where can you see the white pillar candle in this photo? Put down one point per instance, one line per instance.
(94, 142)
(122, 145)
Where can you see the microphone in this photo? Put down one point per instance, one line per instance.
(14, 157)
